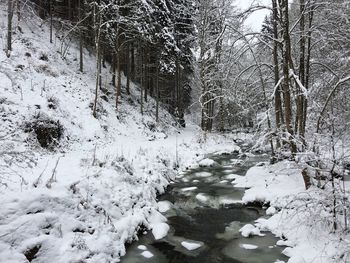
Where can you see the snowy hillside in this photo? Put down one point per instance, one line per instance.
(93, 186)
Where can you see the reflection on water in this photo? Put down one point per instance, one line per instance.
(205, 216)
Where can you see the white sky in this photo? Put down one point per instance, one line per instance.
(255, 20)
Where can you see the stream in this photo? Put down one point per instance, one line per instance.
(205, 216)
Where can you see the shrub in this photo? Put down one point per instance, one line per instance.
(48, 132)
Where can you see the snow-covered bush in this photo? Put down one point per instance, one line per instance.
(47, 131)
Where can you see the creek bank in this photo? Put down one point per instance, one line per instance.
(209, 214)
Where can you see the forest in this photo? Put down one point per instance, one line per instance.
(174, 131)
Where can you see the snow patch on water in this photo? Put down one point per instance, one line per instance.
(147, 254)
(142, 247)
(203, 174)
(248, 246)
(186, 189)
(191, 245)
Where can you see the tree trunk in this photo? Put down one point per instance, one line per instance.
(146, 73)
(278, 100)
(9, 27)
(128, 72)
(307, 70)
(97, 34)
(51, 21)
(301, 96)
(119, 77)
(286, 81)
(114, 69)
(18, 7)
(142, 67)
(132, 62)
(98, 79)
(157, 92)
(81, 36)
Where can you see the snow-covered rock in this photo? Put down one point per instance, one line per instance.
(271, 211)
(202, 197)
(250, 230)
(164, 206)
(160, 230)
(207, 163)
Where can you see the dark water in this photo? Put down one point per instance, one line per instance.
(206, 210)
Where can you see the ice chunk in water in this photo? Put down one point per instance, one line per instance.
(142, 247)
(201, 197)
(192, 188)
(147, 254)
(248, 246)
(190, 245)
(203, 174)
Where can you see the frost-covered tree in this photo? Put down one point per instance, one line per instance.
(211, 23)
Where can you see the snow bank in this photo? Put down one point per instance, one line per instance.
(302, 229)
(269, 183)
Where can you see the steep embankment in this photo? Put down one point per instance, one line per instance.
(89, 193)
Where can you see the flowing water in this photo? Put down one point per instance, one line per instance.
(206, 216)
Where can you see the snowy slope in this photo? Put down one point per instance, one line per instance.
(82, 201)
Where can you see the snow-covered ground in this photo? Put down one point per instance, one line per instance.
(301, 218)
(82, 201)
